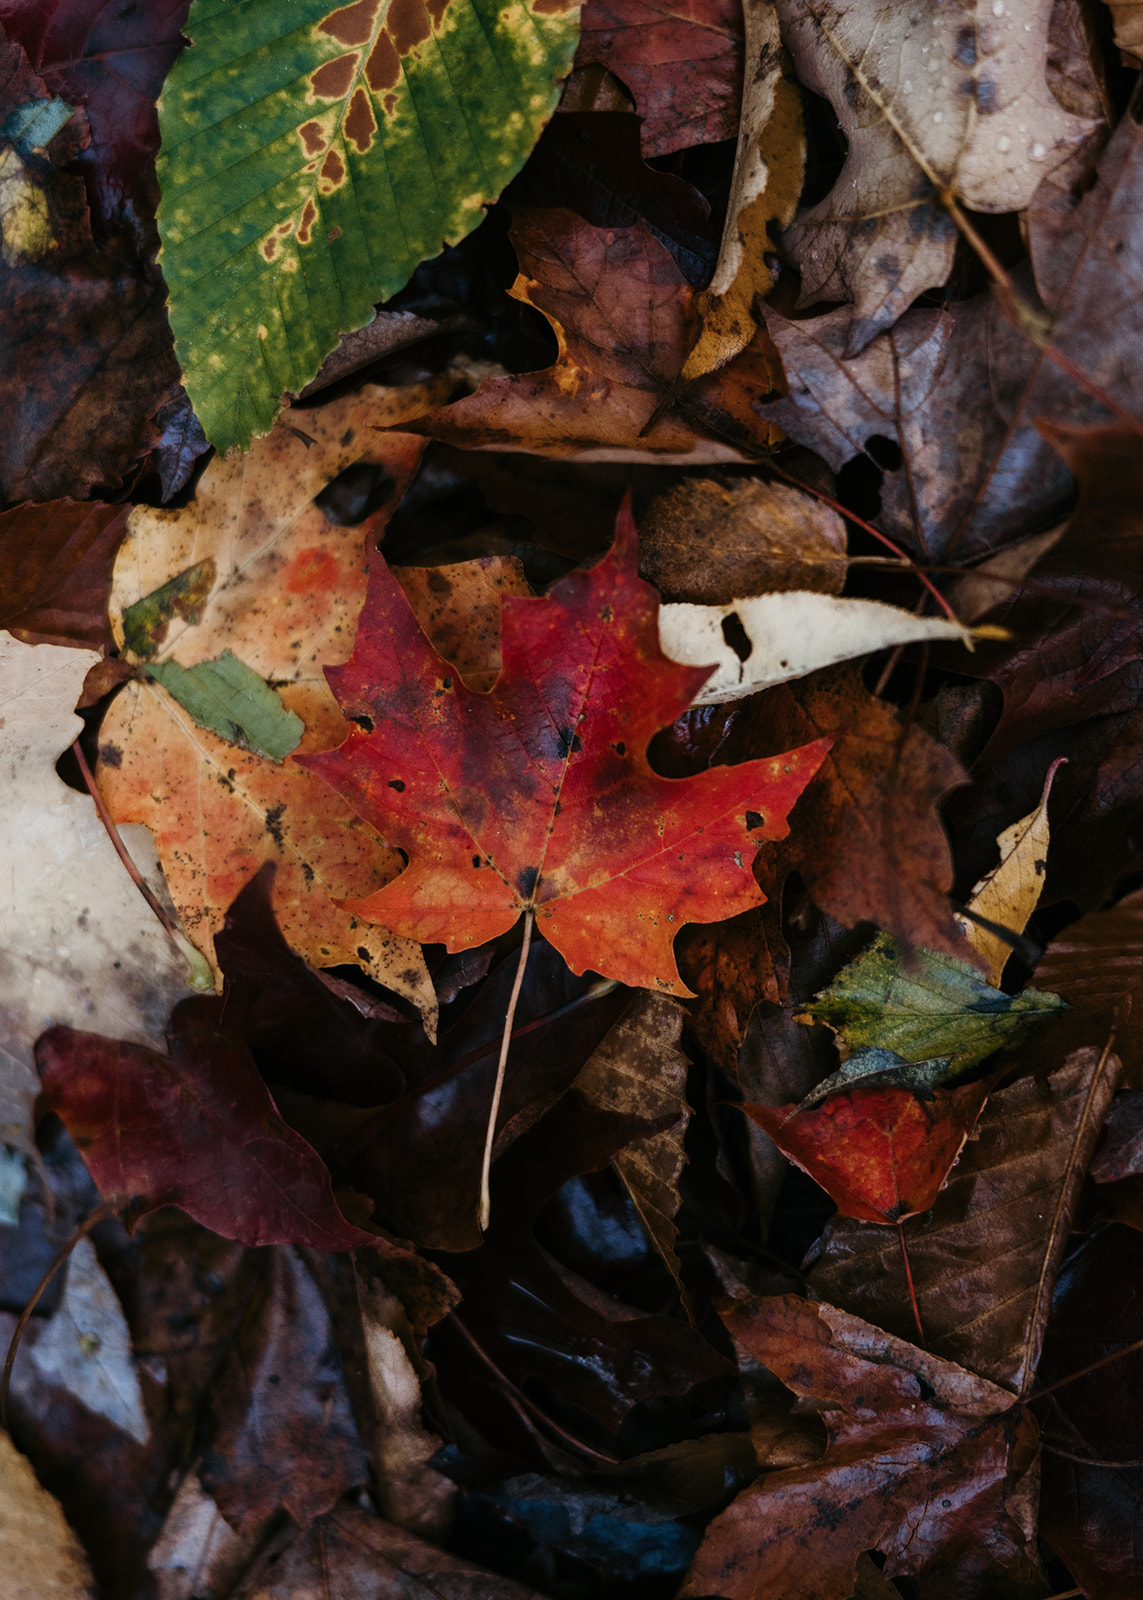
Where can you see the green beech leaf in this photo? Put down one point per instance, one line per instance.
(230, 699)
(312, 156)
(921, 1024)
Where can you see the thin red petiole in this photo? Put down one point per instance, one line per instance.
(912, 1286)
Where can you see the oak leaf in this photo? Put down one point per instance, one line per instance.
(938, 102)
(624, 319)
(927, 1463)
(537, 796)
(682, 61)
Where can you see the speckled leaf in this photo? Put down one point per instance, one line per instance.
(313, 156)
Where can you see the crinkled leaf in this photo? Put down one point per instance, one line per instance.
(928, 1007)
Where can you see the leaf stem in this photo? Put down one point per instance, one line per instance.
(912, 1286)
(485, 1216)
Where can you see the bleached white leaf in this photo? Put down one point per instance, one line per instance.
(788, 636)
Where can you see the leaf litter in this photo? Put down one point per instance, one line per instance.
(896, 412)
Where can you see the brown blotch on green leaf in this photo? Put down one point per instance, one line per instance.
(333, 170)
(352, 24)
(312, 137)
(360, 124)
(333, 80)
(409, 24)
(383, 69)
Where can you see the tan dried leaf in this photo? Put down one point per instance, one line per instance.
(937, 102)
(768, 168)
(706, 542)
(40, 1557)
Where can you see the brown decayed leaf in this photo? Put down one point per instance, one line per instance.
(86, 356)
(984, 1262)
(1096, 965)
(879, 851)
(1121, 1149)
(682, 60)
(639, 1070)
(930, 101)
(283, 1433)
(1087, 268)
(926, 1463)
(710, 543)
(733, 966)
(351, 1554)
(55, 571)
(42, 1559)
(1128, 15)
(1071, 675)
(769, 166)
(624, 318)
(960, 489)
(283, 595)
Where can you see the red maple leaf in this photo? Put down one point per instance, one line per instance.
(537, 795)
(881, 1153)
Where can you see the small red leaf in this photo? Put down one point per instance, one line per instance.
(196, 1129)
(882, 1154)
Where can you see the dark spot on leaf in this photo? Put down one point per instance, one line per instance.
(309, 212)
(333, 169)
(737, 637)
(987, 100)
(755, 819)
(570, 742)
(363, 953)
(619, 747)
(926, 1388)
(274, 824)
(966, 47)
(526, 882)
(307, 872)
(395, 783)
(476, 861)
(111, 755)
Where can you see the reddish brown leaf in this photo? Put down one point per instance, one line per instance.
(984, 1262)
(869, 843)
(882, 1154)
(111, 59)
(926, 1463)
(352, 1553)
(55, 571)
(682, 62)
(624, 318)
(283, 1434)
(86, 356)
(196, 1129)
(538, 795)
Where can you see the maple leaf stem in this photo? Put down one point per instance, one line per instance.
(490, 1137)
(199, 972)
(912, 1286)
